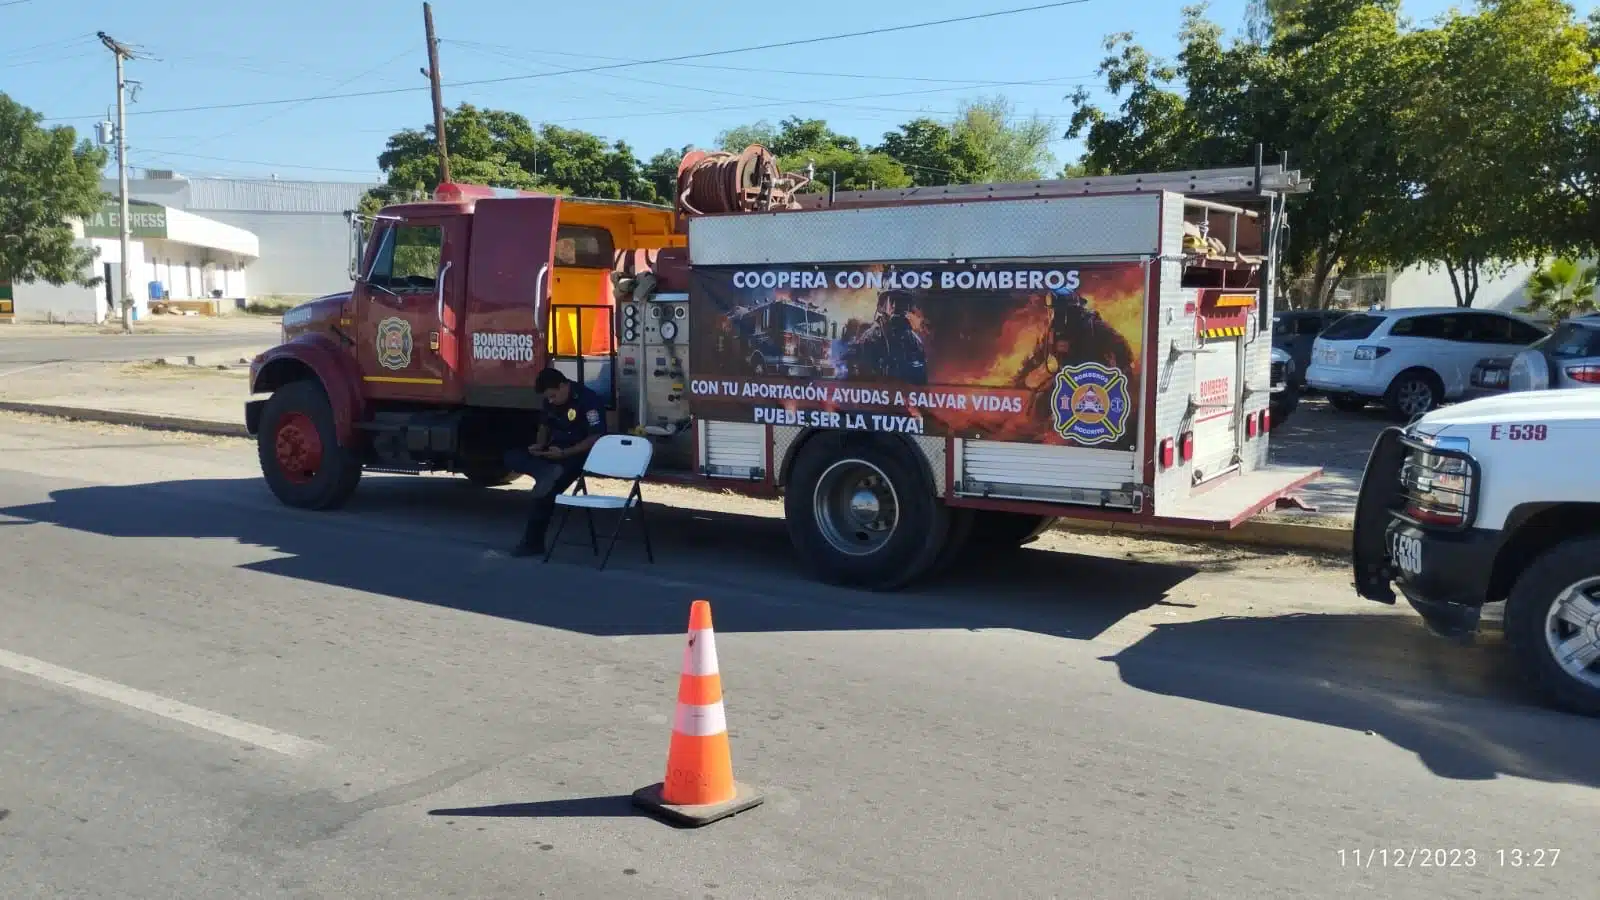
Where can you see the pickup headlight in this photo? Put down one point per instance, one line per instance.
(1437, 481)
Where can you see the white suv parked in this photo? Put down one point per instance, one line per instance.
(1411, 359)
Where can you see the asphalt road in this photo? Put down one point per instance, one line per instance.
(203, 694)
(34, 350)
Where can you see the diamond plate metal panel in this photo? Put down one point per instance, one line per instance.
(1174, 380)
(1002, 229)
(783, 438)
(933, 450)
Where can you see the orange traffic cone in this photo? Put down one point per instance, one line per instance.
(699, 788)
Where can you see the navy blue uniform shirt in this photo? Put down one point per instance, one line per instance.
(583, 414)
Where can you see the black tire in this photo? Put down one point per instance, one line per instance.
(337, 471)
(956, 542)
(1282, 405)
(1002, 531)
(905, 552)
(488, 475)
(1527, 610)
(1412, 393)
(1348, 402)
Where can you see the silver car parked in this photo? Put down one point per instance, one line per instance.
(1568, 358)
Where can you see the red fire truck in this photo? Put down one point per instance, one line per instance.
(953, 364)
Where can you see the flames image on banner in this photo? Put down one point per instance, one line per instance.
(1037, 353)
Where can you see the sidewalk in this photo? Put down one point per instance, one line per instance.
(211, 400)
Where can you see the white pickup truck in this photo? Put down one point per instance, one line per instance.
(1495, 500)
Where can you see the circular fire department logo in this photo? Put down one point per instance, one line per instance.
(394, 343)
(1090, 404)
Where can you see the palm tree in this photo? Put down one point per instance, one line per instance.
(1563, 288)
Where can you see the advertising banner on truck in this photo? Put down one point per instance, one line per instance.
(1042, 353)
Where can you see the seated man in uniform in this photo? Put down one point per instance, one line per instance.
(574, 418)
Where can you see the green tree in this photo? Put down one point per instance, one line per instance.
(1485, 127)
(934, 153)
(1010, 148)
(1323, 88)
(47, 180)
(736, 139)
(661, 171)
(1563, 288)
(855, 170)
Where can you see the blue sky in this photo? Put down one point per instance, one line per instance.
(209, 53)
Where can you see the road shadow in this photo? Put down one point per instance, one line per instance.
(436, 541)
(1460, 709)
(616, 806)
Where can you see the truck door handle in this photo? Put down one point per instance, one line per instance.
(538, 298)
(440, 312)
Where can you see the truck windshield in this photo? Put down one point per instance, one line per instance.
(804, 321)
(583, 247)
(1352, 328)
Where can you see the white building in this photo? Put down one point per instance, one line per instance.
(1420, 286)
(301, 225)
(172, 253)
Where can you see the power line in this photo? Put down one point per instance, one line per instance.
(511, 52)
(152, 151)
(14, 3)
(798, 42)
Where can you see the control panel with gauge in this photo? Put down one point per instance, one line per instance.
(653, 364)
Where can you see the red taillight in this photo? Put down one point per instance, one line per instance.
(1167, 453)
(1584, 374)
(1186, 446)
(1266, 421)
(1430, 516)
(1250, 425)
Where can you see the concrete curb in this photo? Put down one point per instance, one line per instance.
(137, 420)
(1275, 535)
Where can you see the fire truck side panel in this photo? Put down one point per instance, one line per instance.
(1111, 226)
(1035, 231)
(1173, 364)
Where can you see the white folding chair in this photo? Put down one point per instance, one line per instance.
(625, 458)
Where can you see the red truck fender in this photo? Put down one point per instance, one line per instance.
(310, 356)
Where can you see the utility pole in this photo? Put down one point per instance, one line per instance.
(122, 52)
(432, 71)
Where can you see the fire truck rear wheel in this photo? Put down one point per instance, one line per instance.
(299, 449)
(862, 513)
(1006, 530)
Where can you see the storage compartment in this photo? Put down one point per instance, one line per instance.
(733, 450)
(1043, 472)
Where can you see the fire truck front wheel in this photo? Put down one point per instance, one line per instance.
(299, 448)
(862, 513)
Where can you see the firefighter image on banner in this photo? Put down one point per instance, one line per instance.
(1038, 352)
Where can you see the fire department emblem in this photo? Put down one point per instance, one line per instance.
(394, 343)
(1090, 404)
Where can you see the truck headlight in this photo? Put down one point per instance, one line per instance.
(1437, 483)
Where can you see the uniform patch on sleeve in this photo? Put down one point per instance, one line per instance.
(593, 416)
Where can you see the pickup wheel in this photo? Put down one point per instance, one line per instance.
(1553, 625)
(299, 449)
(861, 513)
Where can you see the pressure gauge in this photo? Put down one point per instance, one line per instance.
(669, 330)
(680, 311)
(655, 312)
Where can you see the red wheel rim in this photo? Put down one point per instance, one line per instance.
(299, 447)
